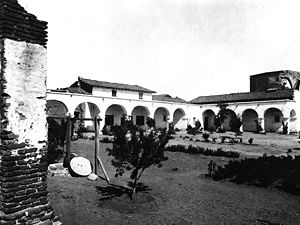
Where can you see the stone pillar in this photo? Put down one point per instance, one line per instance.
(23, 129)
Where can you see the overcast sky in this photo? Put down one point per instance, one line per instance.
(185, 48)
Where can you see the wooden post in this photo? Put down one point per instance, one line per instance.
(97, 150)
(96, 144)
(68, 139)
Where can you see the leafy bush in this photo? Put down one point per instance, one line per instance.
(134, 151)
(220, 117)
(235, 124)
(281, 172)
(284, 127)
(258, 126)
(199, 150)
(205, 135)
(107, 140)
(150, 122)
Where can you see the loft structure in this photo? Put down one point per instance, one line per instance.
(271, 103)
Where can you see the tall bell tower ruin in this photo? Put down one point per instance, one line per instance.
(23, 129)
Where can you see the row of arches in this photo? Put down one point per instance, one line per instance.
(272, 121)
(114, 114)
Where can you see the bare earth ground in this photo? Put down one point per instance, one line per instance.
(178, 193)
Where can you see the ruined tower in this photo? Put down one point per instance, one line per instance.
(23, 130)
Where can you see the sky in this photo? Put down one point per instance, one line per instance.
(185, 48)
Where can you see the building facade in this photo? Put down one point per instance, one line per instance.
(271, 104)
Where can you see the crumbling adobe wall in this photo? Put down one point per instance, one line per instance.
(25, 76)
(23, 128)
(23, 166)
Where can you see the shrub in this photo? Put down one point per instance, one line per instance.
(220, 117)
(134, 151)
(284, 127)
(282, 172)
(150, 122)
(235, 125)
(107, 140)
(199, 150)
(258, 126)
(205, 135)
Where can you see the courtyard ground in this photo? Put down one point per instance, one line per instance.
(178, 193)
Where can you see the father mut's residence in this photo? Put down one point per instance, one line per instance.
(271, 102)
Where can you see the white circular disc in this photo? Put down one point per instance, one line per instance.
(81, 166)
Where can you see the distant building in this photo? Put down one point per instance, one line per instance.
(271, 102)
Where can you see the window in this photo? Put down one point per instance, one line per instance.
(114, 93)
(140, 120)
(109, 120)
(141, 95)
(277, 119)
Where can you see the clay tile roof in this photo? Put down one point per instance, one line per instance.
(245, 97)
(17, 24)
(168, 98)
(117, 86)
(75, 90)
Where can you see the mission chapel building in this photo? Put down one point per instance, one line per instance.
(271, 102)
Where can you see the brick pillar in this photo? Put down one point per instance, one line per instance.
(23, 130)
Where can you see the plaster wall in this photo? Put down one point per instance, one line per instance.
(25, 75)
(106, 92)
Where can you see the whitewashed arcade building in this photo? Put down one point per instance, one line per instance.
(273, 98)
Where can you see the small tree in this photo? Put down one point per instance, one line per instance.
(150, 122)
(235, 124)
(221, 116)
(258, 126)
(134, 151)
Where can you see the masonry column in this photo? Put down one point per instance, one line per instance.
(23, 130)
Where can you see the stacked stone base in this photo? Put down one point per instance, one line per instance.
(23, 186)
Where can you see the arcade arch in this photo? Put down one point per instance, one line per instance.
(208, 117)
(56, 108)
(250, 119)
(86, 110)
(273, 118)
(139, 116)
(161, 116)
(177, 119)
(114, 115)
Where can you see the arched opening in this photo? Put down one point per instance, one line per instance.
(86, 110)
(208, 117)
(56, 108)
(293, 121)
(161, 116)
(114, 115)
(139, 116)
(56, 127)
(273, 120)
(229, 115)
(178, 121)
(250, 119)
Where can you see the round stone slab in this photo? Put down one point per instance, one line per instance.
(81, 166)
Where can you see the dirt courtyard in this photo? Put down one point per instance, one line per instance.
(177, 193)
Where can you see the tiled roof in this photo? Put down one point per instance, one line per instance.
(245, 97)
(75, 90)
(117, 86)
(167, 98)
